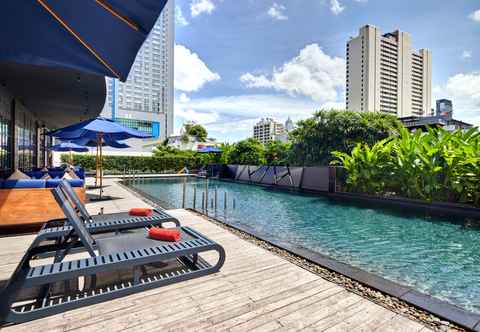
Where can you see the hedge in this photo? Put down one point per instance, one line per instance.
(119, 164)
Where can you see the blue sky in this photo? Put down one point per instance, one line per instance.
(238, 61)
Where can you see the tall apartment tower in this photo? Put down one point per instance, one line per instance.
(145, 100)
(384, 74)
(267, 130)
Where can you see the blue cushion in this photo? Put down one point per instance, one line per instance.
(55, 169)
(33, 183)
(1, 183)
(52, 183)
(35, 174)
(56, 174)
(79, 171)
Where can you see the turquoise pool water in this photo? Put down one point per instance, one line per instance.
(440, 257)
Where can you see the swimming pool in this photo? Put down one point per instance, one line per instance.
(438, 256)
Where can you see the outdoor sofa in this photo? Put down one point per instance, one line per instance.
(27, 204)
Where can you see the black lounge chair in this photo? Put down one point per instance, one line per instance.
(112, 221)
(120, 264)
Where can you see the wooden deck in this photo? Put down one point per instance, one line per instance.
(255, 290)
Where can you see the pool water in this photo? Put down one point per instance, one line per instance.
(438, 256)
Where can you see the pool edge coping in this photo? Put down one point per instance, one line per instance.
(409, 295)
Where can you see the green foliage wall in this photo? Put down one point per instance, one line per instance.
(435, 166)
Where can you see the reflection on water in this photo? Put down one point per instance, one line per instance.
(439, 256)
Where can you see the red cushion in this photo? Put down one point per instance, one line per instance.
(141, 212)
(163, 234)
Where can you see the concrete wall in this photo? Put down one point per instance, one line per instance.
(309, 178)
(316, 178)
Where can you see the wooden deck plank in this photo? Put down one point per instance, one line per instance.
(255, 290)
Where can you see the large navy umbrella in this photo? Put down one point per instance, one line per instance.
(96, 36)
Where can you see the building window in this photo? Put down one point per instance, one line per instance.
(141, 125)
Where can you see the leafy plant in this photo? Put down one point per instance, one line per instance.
(433, 165)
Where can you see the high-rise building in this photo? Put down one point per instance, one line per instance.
(384, 74)
(267, 130)
(444, 108)
(289, 126)
(145, 100)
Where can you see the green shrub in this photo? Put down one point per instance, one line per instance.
(119, 164)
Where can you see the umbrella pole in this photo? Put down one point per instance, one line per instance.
(101, 167)
(96, 165)
(71, 158)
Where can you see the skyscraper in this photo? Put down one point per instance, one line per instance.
(384, 74)
(145, 100)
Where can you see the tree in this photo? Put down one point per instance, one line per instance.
(277, 153)
(247, 152)
(169, 151)
(315, 138)
(197, 131)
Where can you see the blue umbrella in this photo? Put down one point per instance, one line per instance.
(91, 143)
(68, 147)
(100, 130)
(79, 35)
(96, 129)
(210, 149)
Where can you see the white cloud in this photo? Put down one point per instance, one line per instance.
(464, 91)
(203, 118)
(198, 7)
(312, 73)
(475, 16)
(191, 73)
(466, 55)
(232, 118)
(179, 18)
(277, 12)
(336, 7)
(184, 98)
(259, 81)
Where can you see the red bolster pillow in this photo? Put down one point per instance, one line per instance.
(164, 234)
(141, 212)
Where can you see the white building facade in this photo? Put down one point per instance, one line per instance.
(267, 130)
(145, 100)
(384, 74)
